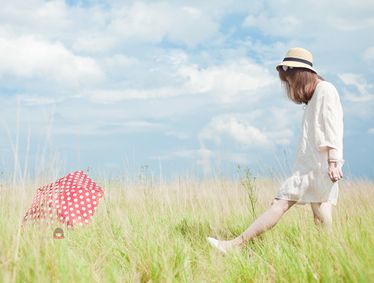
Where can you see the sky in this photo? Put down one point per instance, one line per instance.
(175, 88)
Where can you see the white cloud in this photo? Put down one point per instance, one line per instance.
(119, 61)
(29, 57)
(257, 128)
(227, 80)
(100, 128)
(153, 22)
(35, 16)
(231, 127)
(113, 96)
(95, 42)
(285, 18)
(94, 28)
(192, 26)
(239, 133)
(116, 53)
(361, 85)
(34, 100)
(352, 23)
(281, 136)
(178, 134)
(369, 54)
(141, 125)
(53, 11)
(285, 25)
(205, 159)
(371, 131)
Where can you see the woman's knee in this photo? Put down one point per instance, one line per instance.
(322, 213)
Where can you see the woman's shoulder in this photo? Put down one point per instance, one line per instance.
(327, 90)
(326, 86)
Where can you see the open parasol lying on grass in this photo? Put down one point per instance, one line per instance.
(71, 200)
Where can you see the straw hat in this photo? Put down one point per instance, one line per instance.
(298, 58)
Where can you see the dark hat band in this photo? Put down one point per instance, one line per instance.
(298, 60)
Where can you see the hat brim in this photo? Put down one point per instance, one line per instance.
(295, 65)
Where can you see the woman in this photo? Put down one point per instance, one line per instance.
(319, 157)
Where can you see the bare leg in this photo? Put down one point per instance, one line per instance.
(322, 214)
(266, 221)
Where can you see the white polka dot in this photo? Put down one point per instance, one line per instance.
(65, 212)
(75, 200)
(71, 209)
(64, 207)
(84, 214)
(76, 205)
(90, 211)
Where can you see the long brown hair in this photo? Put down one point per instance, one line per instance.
(304, 82)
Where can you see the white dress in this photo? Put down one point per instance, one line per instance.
(322, 127)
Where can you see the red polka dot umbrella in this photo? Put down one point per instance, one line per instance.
(71, 200)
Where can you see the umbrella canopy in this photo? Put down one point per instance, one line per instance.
(71, 200)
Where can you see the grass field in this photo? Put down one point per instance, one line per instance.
(144, 232)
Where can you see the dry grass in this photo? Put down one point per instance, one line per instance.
(156, 232)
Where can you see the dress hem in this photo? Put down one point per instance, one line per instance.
(300, 202)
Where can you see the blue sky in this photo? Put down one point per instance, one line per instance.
(184, 87)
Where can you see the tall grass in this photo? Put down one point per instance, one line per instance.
(148, 232)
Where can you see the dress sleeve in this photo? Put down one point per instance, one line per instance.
(331, 121)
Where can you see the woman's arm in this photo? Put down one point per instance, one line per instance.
(335, 165)
(330, 121)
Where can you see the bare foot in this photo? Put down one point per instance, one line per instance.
(221, 246)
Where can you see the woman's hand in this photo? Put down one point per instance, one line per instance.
(335, 165)
(335, 171)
